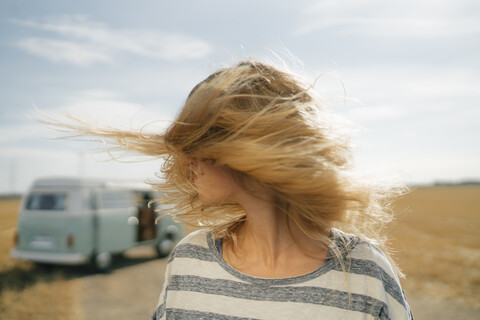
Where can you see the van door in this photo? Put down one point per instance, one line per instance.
(113, 232)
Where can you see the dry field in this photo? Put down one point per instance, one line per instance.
(26, 291)
(435, 240)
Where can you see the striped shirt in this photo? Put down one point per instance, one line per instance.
(199, 284)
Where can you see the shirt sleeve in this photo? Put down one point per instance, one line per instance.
(396, 305)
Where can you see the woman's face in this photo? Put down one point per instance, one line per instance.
(215, 184)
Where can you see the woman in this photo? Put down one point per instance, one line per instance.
(255, 160)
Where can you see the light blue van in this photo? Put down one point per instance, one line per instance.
(78, 221)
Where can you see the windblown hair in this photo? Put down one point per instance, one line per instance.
(266, 125)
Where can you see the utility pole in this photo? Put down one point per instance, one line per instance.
(12, 175)
(81, 163)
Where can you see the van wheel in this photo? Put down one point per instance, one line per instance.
(102, 261)
(164, 248)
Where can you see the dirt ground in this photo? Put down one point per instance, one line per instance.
(130, 291)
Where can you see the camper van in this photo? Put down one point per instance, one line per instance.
(79, 221)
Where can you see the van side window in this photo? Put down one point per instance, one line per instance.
(115, 199)
(47, 201)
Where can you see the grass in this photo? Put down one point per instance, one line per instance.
(28, 291)
(437, 242)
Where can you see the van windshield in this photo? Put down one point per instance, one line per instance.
(47, 201)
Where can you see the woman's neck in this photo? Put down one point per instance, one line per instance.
(265, 234)
(268, 245)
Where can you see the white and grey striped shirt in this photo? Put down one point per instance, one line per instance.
(199, 284)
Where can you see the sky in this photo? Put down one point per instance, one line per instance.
(407, 72)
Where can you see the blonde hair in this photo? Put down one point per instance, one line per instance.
(266, 125)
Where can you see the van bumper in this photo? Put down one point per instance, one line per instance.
(50, 257)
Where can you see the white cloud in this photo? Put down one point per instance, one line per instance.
(109, 109)
(375, 113)
(37, 153)
(84, 42)
(96, 107)
(423, 99)
(64, 51)
(422, 86)
(24, 131)
(409, 79)
(391, 18)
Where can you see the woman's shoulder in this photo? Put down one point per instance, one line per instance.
(375, 257)
(369, 264)
(363, 252)
(342, 240)
(194, 245)
(198, 237)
